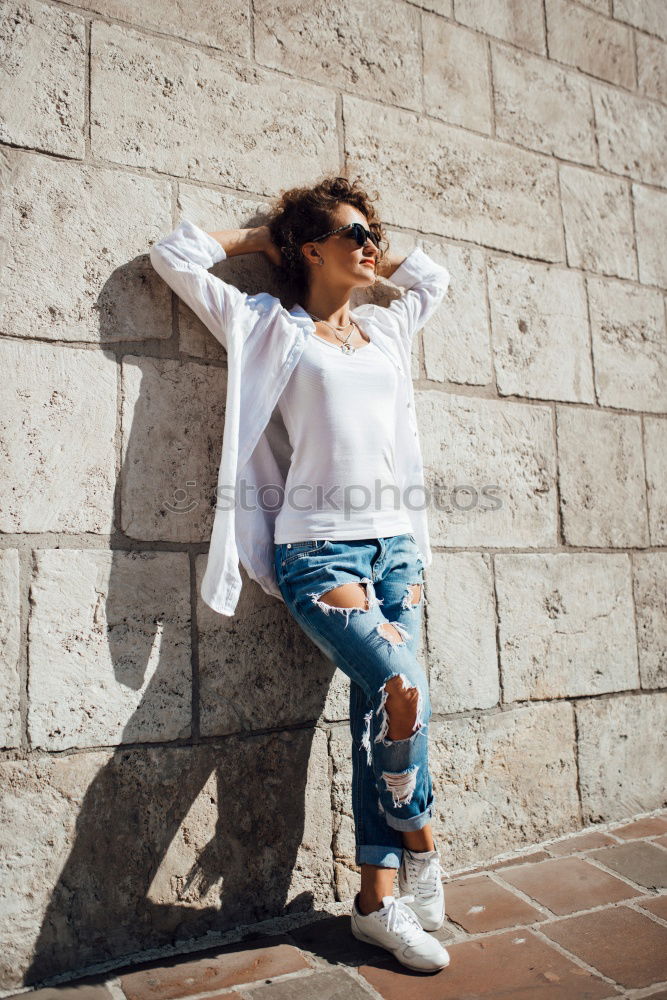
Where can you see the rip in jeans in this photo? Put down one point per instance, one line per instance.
(401, 784)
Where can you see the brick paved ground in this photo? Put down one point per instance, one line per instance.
(581, 918)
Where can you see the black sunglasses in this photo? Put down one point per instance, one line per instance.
(356, 232)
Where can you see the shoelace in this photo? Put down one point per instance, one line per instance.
(402, 920)
(427, 875)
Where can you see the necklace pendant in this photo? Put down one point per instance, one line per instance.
(347, 349)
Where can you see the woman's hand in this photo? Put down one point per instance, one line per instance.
(250, 240)
(268, 246)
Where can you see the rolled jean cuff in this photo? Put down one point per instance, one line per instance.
(376, 854)
(411, 823)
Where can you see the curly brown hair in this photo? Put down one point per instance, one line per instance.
(303, 213)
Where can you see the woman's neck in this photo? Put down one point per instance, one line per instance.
(327, 305)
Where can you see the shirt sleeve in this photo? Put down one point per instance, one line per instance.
(426, 285)
(183, 259)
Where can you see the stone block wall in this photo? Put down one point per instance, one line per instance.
(166, 771)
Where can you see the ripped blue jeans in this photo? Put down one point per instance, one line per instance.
(391, 783)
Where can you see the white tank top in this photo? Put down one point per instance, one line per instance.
(340, 412)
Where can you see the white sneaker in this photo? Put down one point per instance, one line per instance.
(420, 875)
(396, 928)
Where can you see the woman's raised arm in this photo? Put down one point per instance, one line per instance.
(425, 283)
(183, 259)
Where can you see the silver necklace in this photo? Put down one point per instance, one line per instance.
(346, 347)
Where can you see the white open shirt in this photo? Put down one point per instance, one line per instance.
(264, 341)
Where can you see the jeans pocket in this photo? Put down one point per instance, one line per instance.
(291, 551)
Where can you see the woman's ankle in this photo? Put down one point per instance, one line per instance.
(367, 905)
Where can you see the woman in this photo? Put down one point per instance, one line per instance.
(350, 573)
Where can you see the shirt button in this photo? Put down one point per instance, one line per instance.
(289, 545)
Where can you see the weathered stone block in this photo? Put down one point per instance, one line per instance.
(566, 624)
(490, 773)
(10, 623)
(520, 22)
(340, 761)
(58, 410)
(601, 6)
(632, 135)
(539, 323)
(347, 879)
(541, 105)
(42, 77)
(601, 478)
(461, 632)
(456, 341)
(75, 251)
(655, 445)
(218, 24)
(194, 115)
(651, 225)
(621, 750)
(514, 192)
(370, 46)
(109, 637)
(594, 44)
(442, 7)
(652, 67)
(650, 583)
(457, 87)
(646, 14)
(629, 345)
(171, 835)
(258, 670)
(172, 435)
(598, 222)
(489, 469)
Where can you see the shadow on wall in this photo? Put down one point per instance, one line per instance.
(197, 820)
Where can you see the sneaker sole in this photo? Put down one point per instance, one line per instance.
(370, 940)
(433, 927)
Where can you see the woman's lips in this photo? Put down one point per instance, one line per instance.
(368, 263)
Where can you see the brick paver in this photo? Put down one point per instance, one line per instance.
(480, 904)
(620, 942)
(643, 862)
(317, 986)
(656, 904)
(584, 842)
(244, 963)
(520, 860)
(82, 990)
(647, 827)
(568, 884)
(549, 924)
(510, 964)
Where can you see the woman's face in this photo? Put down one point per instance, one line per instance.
(345, 262)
